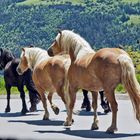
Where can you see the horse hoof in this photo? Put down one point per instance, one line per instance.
(33, 109)
(94, 126)
(7, 110)
(107, 111)
(24, 111)
(72, 120)
(111, 130)
(56, 110)
(88, 108)
(46, 117)
(83, 106)
(66, 123)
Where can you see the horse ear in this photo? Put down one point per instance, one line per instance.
(23, 49)
(72, 30)
(59, 31)
(31, 46)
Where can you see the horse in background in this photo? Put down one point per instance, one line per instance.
(86, 102)
(9, 63)
(95, 71)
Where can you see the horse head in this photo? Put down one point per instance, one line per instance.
(70, 43)
(23, 64)
(5, 57)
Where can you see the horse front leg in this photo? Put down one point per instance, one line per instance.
(94, 105)
(53, 106)
(8, 89)
(70, 106)
(22, 96)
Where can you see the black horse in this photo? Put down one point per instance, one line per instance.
(9, 63)
(104, 102)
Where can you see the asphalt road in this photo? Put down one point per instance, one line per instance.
(15, 126)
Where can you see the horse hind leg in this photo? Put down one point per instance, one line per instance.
(8, 89)
(114, 107)
(94, 105)
(22, 96)
(33, 102)
(70, 106)
(53, 106)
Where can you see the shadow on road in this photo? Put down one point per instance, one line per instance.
(90, 133)
(16, 114)
(40, 122)
(85, 113)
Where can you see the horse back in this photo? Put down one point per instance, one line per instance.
(51, 72)
(106, 66)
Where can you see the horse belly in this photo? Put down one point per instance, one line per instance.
(82, 79)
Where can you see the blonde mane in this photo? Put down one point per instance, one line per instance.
(35, 56)
(68, 40)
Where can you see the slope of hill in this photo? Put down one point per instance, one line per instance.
(52, 2)
(103, 23)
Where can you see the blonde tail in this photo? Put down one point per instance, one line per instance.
(130, 82)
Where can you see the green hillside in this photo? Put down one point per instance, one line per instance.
(131, 1)
(52, 2)
(134, 19)
(103, 23)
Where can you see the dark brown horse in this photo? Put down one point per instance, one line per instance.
(9, 63)
(86, 102)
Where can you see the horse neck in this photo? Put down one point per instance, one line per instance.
(8, 57)
(80, 52)
(37, 58)
(83, 52)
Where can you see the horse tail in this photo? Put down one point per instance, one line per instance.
(130, 82)
(67, 62)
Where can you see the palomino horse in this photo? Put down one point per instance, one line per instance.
(92, 71)
(48, 74)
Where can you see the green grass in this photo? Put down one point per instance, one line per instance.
(120, 89)
(14, 90)
(135, 55)
(130, 1)
(134, 19)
